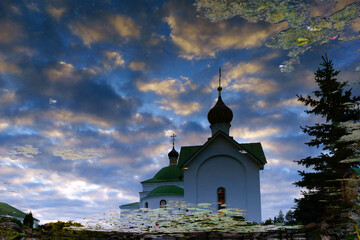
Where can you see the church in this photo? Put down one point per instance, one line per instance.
(220, 171)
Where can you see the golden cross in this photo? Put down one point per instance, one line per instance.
(173, 137)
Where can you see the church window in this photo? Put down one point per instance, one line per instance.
(162, 203)
(146, 205)
(221, 197)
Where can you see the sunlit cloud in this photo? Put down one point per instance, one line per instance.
(251, 134)
(114, 59)
(181, 108)
(291, 102)
(169, 87)
(71, 117)
(27, 151)
(156, 39)
(55, 12)
(6, 96)
(137, 66)
(10, 32)
(8, 67)
(62, 72)
(325, 9)
(75, 154)
(241, 77)
(202, 39)
(256, 85)
(105, 29)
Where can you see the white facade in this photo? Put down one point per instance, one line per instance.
(221, 170)
(221, 164)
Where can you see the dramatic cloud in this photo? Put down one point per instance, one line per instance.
(202, 39)
(55, 12)
(137, 66)
(10, 32)
(181, 108)
(62, 72)
(168, 87)
(105, 29)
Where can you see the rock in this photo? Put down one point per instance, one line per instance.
(311, 226)
(10, 225)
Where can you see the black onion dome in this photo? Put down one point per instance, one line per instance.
(173, 153)
(220, 113)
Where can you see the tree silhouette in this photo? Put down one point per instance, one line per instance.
(331, 102)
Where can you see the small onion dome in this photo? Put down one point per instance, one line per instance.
(173, 153)
(220, 113)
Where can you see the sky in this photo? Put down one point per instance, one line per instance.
(90, 92)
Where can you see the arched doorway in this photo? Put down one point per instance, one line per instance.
(221, 197)
(162, 203)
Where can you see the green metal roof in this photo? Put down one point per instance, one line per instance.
(166, 190)
(170, 173)
(186, 153)
(6, 209)
(256, 150)
(135, 204)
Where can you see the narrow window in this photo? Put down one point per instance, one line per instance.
(162, 203)
(221, 197)
(146, 205)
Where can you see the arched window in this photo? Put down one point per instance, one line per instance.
(221, 197)
(162, 203)
(146, 205)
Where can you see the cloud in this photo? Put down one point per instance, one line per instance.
(169, 87)
(8, 67)
(55, 12)
(290, 102)
(114, 60)
(181, 108)
(72, 117)
(10, 32)
(250, 134)
(256, 85)
(137, 66)
(201, 39)
(24, 151)
(74, 154)
(244, 76)
(105, 29)
(61, 72)
(6, 96)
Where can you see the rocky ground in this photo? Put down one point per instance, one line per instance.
(11, 229)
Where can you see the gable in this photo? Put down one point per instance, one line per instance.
(253, 149)
(186, 153)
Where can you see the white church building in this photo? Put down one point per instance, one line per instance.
(219, 171)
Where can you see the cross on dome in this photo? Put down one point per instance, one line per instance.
(173, 136)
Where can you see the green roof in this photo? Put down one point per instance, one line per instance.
(170, 173)
(134, 204)
(256, 150)
(6, 209)
(166, 190)
(186, 153)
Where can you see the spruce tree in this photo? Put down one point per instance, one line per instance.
(29, 220)
(323, 195)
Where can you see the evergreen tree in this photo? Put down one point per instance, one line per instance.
(289, 217)
(331, 102)
(280, 217)
(29, 220)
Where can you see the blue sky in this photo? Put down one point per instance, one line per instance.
(90, 92)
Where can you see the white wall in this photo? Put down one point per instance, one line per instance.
(222, 165)
(154, 202)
